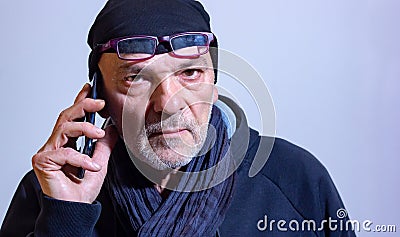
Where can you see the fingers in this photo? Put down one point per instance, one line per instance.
(49, 161)
(83, 93)
(104, 146)
(78, 109)
(62, 134)
(56, 166)
(67, 126)
(81, 104)
(76, 129)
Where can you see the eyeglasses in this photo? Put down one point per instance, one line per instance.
(141, 47)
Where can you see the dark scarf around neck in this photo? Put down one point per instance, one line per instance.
(141, 209)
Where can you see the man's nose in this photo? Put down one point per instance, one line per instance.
(167, 97)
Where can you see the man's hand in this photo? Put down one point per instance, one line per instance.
(56, 164)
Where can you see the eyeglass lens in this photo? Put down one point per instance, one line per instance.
(182, 45)
(136, 48)
(186, 45)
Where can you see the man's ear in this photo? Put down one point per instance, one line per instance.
(100, 95)
(215, 94)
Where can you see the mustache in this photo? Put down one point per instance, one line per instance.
(174, 122)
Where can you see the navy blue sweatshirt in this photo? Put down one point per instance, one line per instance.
(293, 189)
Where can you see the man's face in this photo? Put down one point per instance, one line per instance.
(160, 106)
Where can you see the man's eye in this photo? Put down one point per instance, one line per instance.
(132, 78)
(191, 74)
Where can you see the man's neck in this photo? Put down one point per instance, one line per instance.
(161, 186)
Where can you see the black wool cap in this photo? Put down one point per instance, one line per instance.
(120, 18)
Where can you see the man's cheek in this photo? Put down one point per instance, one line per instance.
(113, 109)
(202, 111)
(133, 118)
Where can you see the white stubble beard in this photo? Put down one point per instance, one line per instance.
(157, 154)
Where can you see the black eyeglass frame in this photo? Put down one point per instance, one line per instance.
(113, 44)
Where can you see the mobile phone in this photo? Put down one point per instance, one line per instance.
(88, 146)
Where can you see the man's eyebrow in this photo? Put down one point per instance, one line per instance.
(198, 62)
(191, 63)
(131, 66)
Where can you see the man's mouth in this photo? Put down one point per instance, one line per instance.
(168, 133)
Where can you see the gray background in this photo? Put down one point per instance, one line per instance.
(332, 67)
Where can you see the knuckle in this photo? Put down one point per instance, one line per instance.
(68, 151)
(86, 102)
(35, 159)
(39, 159)
(83, 105)
(62, 127)
(84, 161)
(86, 127)
(81, 160)
(50, 145)
(62, 115)
(58, 134)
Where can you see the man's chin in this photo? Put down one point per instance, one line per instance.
(171, 159)
(164, 154)
(164, 158)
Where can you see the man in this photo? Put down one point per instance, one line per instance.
(169, 161)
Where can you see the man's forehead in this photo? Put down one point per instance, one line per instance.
(166, 62)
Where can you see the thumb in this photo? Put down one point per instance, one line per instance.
(104, 146)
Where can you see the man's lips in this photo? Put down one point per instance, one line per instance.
(169, 132)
